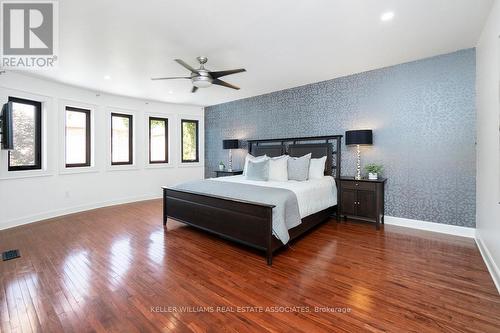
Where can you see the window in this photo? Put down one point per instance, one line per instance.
(27, 128)
(121, 139)
(189, 129)
(158, 140)
(77, 133)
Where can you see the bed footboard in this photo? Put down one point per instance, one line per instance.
(246, 222)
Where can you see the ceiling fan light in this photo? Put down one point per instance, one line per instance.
(202, 84)
(202, 81)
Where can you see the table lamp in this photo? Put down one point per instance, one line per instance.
(358, 137)
(230, 144)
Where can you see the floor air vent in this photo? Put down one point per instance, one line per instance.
(11, 254)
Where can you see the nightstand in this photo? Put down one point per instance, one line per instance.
(362, 199)
(224, 173)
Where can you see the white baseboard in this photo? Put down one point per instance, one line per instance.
(488, 259)
(431, 226)
(70, 210)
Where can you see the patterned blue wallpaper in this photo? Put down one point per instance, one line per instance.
(422, 114)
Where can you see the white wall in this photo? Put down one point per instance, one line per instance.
(488, 164)
(27, 196)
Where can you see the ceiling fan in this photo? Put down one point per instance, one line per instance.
(202, 77)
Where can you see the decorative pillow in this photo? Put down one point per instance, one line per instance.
(278, 168)
(317, 168)
(254, 159)
(258, 170)
(298, 167)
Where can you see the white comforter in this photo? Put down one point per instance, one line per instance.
(313, 195)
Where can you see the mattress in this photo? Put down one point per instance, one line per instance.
(313, 195)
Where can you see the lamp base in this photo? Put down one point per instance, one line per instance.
(358, 163)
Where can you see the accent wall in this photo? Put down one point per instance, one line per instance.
(424, 122)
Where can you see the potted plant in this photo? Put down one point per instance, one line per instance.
(373, 170)
(221, 166)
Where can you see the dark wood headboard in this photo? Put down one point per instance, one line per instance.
(318, 146)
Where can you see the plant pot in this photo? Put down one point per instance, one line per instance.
(221, 167)
(372, 176)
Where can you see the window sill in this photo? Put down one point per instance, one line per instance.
(77, 170)
(159, 166)
(128, 167)
(191, 165)
(25, 174)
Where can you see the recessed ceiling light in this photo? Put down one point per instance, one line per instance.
(387, 16)
(107, 77)
(170, 92)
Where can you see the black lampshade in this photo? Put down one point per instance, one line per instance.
(359, 137)
(230, 144)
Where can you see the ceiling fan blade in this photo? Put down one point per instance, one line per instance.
(218, 74)
(224, 84)
(185, 65)
(194, 89)
(170, 78)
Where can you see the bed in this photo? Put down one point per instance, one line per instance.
(250, 222)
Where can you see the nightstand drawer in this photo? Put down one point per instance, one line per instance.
(358, 185)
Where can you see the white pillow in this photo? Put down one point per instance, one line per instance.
(253, 159)
(278, 168)
(298, 167)
(317, 168)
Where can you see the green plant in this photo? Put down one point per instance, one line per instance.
(374, 168)
(221, 163)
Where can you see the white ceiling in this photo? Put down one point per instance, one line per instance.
(281, 43)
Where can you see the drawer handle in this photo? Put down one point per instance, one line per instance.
(357, 184)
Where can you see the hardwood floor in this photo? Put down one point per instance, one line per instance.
(115, 269)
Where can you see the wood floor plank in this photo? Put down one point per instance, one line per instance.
(116, 269)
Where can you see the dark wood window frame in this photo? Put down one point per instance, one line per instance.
(38, 136)
(87, 137)
(130, 138)
(197, 140)
(165, 121)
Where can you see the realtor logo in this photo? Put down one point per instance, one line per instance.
(29, 34)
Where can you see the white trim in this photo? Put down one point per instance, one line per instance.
(201, 140)
(48, 128)
(78, 170)
(171, 124)
(63, 170)
(28, 174)
(75, 209)
(136, 131)
(121, 167)
(191, 165)
(488, 260)
(431, 226)
(160, 166)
